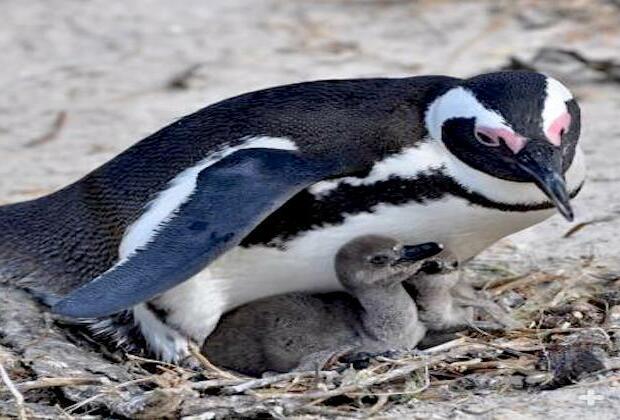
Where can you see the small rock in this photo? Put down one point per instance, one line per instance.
(538, 378)
(479, 383)
(578, 356)
(511, 299)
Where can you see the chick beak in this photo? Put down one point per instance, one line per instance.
(543, 162)
(415, 253)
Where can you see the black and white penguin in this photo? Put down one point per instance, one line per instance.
(222, 206)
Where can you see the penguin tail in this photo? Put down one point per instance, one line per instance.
(24, 252)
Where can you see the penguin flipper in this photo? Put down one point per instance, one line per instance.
(44, 298)
(231, 198)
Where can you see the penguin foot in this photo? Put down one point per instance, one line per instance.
(163, 341)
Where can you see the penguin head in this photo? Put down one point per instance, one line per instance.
(515, 125)
(376, 261)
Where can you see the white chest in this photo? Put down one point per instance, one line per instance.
(246, 274)
(308, 260)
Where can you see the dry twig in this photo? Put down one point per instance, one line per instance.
(60, 382)
(579, 226)
(524, 281)
(264, 382)
(52, 133)
(207, 364)
(17, 396)
(390, 376)
(181, 81)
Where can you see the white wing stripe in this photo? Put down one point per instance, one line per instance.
(162, 208)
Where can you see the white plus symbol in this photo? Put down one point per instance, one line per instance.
(591, 397)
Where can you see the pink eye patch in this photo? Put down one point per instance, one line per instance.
(495, 136)
(558, 127)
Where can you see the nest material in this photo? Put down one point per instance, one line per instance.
(572, 336)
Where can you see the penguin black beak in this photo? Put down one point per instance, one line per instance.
(543, 163)
(415, 253)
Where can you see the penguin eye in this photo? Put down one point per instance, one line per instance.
(487, 140)
(379, 260)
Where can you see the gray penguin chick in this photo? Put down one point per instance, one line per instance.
(300, 331)
(438, 307)
(446, 302)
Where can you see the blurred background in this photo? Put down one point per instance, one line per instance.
(82, 80)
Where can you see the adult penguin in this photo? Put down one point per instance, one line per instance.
(254, 195)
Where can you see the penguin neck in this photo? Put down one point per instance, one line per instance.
(386, 310)
(431, 158)
(415, 177)
(501, 191)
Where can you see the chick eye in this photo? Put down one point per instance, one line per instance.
(379, 260)
(487, 140)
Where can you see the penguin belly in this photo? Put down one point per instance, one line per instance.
(306, 262)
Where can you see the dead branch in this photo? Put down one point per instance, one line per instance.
(17, 396)
(582, 225)
(195, 352)
(181, 80)
(264, 382)
(59, 382)
(52, 133)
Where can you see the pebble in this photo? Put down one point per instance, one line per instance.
(538, 378)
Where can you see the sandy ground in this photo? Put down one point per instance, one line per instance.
(83, 80)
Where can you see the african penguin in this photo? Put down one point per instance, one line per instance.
(220, 207)
(303, 331)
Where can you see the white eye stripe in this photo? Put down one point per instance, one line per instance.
(555, 102)
(460, 102)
